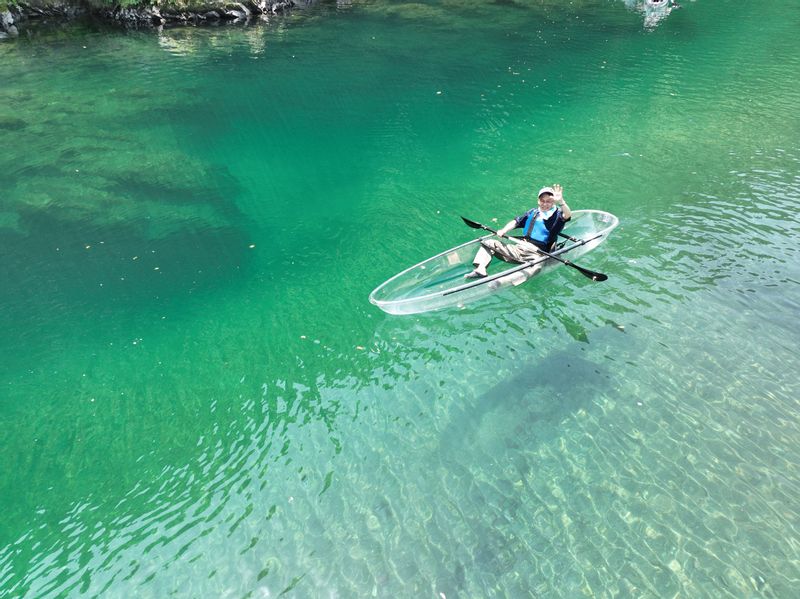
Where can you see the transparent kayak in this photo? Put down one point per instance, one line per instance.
(439, 282)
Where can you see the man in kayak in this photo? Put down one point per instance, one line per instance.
(540, 225)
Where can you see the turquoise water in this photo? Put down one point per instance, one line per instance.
(199, 401)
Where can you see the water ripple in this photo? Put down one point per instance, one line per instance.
(268, 432)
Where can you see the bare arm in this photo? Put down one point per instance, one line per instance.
(512, 224)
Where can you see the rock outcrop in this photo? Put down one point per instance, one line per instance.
(18, 14)
(208, 11)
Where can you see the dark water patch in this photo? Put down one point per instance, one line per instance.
(69, 154)
(15, 97)
(10, 123)
(56, 266)
(24, 172)
(164, 189)
(139, 185)
(216, 188)
(207, 119)
(507, 3)
(185, 107)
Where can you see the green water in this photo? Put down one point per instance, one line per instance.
(197, 399)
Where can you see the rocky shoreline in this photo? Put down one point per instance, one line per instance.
(19, 15)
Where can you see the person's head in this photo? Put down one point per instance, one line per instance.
(546, 198)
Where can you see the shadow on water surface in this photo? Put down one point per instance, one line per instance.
(510, 426)
(527, 406)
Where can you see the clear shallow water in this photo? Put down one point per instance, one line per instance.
(198, 400)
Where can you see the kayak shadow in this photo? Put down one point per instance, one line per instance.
(526, 408)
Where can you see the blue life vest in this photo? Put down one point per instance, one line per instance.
(545, 230)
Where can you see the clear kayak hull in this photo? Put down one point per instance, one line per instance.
(439, 282)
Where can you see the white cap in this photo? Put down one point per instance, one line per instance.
(545, 190)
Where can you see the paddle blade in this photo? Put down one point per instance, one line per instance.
(472, 223)
(594, 276)
(590, 274)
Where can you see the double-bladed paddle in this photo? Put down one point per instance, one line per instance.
(594, 276)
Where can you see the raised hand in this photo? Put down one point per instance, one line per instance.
(559, 194)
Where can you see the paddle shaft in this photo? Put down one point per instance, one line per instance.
(594, 276)
(522, 266)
